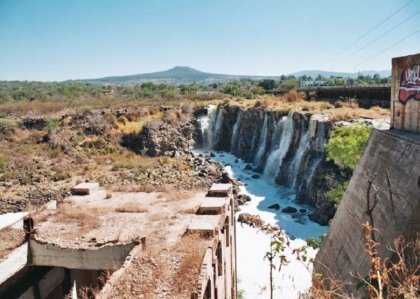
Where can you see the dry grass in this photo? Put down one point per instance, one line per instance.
(175, 195)
(148, 188)
(87, 218)
(157, 217)
(33, 108)
(192, 248)
(351, 103)
(10, 239)
(192, 210)
(131, 207)
(277, 103)
(347, 113)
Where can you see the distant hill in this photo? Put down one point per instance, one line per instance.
(327, 74)
(186, 75)
(176, 75)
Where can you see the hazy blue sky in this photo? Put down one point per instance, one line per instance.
(69, 39)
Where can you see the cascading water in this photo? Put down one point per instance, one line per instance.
(276, 157)
(303, 147)
(217, 125)
(262, 142)
(207, 124)
(235, 133)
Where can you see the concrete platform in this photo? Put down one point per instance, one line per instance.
(85, 188)
(213, 205)
(205, 223)
(220, 190)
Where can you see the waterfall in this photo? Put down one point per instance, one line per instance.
(217, 125)
(262, 142)
(275, 158)
(303, 146)
(235, 133)
(207, 124)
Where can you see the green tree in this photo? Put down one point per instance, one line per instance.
(267, 84)
(346, 145)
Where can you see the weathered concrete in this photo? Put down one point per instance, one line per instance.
(213, 205)
(85, 188)
(107, 289)
(405, 93)
(389, 156)
(9, 219)
(220, 190)
(13, 263)
(205, 223)
(105, 257)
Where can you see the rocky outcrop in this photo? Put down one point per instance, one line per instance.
(158, 138)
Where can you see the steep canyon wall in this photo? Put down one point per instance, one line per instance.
(285, 147)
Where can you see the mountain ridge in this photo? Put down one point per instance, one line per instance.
(187, 75)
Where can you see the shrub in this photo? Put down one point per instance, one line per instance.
(8, 124)
(292, 96)
(315, 242)
(335, 195)
(346, 145)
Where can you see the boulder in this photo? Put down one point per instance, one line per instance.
(289, 210)
(248, 167)
(275, 206)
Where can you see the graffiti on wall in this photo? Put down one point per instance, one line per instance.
(410, 84)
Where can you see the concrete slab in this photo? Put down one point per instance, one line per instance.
(215, 202)
(220, 190)
(213, 205)
(204, 223)
(106, 257)
(85, 188)
(13, 263)
(9, 219)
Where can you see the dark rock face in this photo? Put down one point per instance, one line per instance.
(289, 210)
(276, 206)
(160, 139)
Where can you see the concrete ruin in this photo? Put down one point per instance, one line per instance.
(405, 93)
(383, 191)
(107, 257)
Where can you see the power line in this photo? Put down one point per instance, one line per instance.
(379, 37)
(365, 34)
(390, 47)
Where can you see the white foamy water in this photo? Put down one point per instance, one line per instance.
(252, 245)
(275, 158)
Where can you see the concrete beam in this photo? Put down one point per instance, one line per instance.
(105, 257)
(13, 263)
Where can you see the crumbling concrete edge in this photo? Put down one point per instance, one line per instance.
(108, 287)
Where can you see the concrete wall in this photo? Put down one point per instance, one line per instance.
(105, 257)
(405, 93)
(218, 271)
(392, 155)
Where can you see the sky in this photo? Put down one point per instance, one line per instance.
(54, 40)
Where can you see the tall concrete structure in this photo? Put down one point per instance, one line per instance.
(384, 189)
(405, 93)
